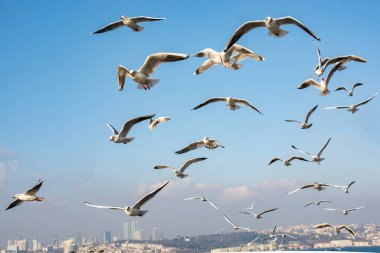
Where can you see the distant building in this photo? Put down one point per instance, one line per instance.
(341, 243)
(22, 245)
(140, 235)
(107, 236)
(130, 229)
(78, 239)
(69, 246)
(115, 238)
(156, 234)
(36, 246)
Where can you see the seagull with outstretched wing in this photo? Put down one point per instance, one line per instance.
(304, 124)
(205, 142)
(236, 227)
(315, 158)
(349, 92)
(344, 211)
(352, 108)
(180, 173)
(231, 103)
(204, 199)
(29, 195)
(259, 215)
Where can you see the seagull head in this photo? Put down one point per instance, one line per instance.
(123, 17)
(268, 19)
(132, 72)
(112, 138)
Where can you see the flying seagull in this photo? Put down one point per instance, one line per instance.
(272, 24)
(350, 92)
(322, 85)
(344, 211)
(272, 234)
(315, 158)
(135, 209)
(228, 59)
(317, 202)
(236, 227)
(251, 207)
(259, 215)
(29, 195)
(337, 228)
(154, 122)
(204, 200)
(343, 59)
(344, 188)
(142, 75)
(231, 103)
(180, 173)
(304, 124)
(352, 108)
(321, 61)
(129, 22)
(317, 186)
(287, 162)
(205, 142)
(248, 243)
(122, 136)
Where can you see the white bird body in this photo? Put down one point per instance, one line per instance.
(317, 186)
(205, 142)
(286, 162)
(344, 211)
(154, 122)
(231, 103)
(29, 195)
(352, 108)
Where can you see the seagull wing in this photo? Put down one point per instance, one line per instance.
(348, 186)
(110, 27)
(298, 158)
(16, 202)
(241, 52)
(356, 85)
(130, 123)
(153, 60)
(114, 131)
(292, 21)
(342, 88)
(274, 160)
(162, 166)
(267, 211)
(303, 187)
(323, 225)
(107, 207)
(331, 209)
(192, 146)
(211, 100)
(304, 152)
(243, 29)
(189, 162)
(354, 209)
(344, 58)
(209, 53)
(34, 189)
(122, 73)
(366, 101)
(204, 66)
(323, 201)
(335, 107)
(346, 228)
(246, 212)
(145, 19)
(245, 102)
(332, 71)
(309, 82)
(311, 203)
(192, 198)
(323, 148)
(149, 196)
(292, 120)
(212, 204)
(228, 220)
(310, 112)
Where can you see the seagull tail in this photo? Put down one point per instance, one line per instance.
(280, 34)
(40, 199)
(142, 213)
(138, 29)
(235, 66)
(151, 82)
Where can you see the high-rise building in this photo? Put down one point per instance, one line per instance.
(156, 234)
(78, 239)
(22, 245)
(36, 246)
(140, 235)
(130, 229)
(69, 246)
(107, 236)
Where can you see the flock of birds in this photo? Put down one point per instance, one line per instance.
(228, 58)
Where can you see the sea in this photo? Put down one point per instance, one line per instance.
(351, 249)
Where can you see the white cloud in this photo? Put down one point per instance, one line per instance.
(5, 167)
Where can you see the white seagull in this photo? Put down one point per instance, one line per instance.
(317, 203)
(204, 200)
(352, 108)
(205, 142)
(287, 161)
(317, 186)
(315, 158)
(344, 188)
(142, 76)
(228, 59)
(122, 136)
(180, 173)
(251, 207)
(337, 228)
(304, 124)
(344, 211)
(29, 195)
(248, 243)
(134, 210)
(343, 59)
(231, 103)
(236, 227)
(154, 122)
(350, 92)
(129, 22)
(323, 84)
(259, 215)
(272, 24)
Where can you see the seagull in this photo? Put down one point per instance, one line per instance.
(337, 228)
(343, 59)
(344, 188)
(315, 158)
(135, 209)
(231, 103)
(180, 173)
(129, 22)
(317, 202)
(236, 227)
(29, 195)
(322, 61)
(249, 243)
(259, 215)
(304, 124)
(250, 208)
(228, 59)
(352, 108)
(273, 25)
(187, 239)
(344, 211)
(350, 92)
(272, 234)
(122, 136)
(317, 186)
(154, 122)
(322, 85)
(205, 142)
(203, 199)
(287, 162)
(142, 75)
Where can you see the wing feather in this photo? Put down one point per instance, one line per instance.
(130, 123)
(149, 196)
(153, 60)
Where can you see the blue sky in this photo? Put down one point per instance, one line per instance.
(59, 89)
